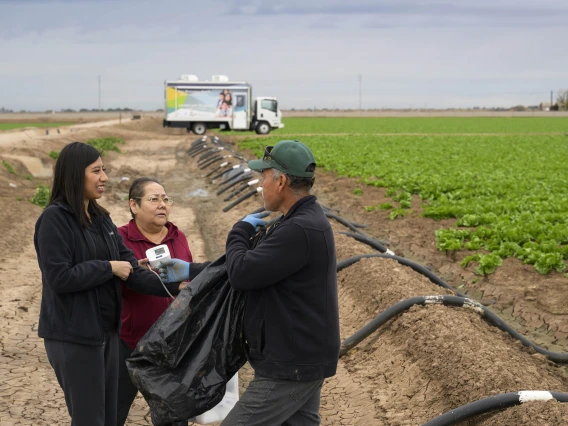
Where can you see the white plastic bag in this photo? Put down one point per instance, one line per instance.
(220, 411)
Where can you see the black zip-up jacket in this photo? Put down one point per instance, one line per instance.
(291, 320)
(71, 274)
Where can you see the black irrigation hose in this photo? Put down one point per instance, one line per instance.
(403, 261)
(457, 301)
(343, 221)
(241, 199)
(377, 245)
(214, 157)
(219, 167)
(236, 192)
(241, 189)
(359, 225)
(496, 402)
(228, 179)
(236, 167)
(214, 160)
(197, 148)
(328, 208)
(196, 142)
(204, 157)
(240, 179)
(200, 151)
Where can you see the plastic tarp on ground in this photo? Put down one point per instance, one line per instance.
(181, 366)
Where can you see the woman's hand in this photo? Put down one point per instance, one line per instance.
(121, 269)
(144, 263)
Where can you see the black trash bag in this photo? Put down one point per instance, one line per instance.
(183, 363)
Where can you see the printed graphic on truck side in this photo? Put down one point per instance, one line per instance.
(191, 104)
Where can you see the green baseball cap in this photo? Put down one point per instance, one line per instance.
(290, 157)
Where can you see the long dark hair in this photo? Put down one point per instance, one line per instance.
(137, 189)
(69, 180)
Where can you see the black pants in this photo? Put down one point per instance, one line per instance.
(88, 376)
(126, 389)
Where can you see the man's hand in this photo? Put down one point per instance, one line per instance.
(121, 269)
(174, 270)
(255, 219)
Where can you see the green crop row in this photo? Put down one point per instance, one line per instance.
(426, 125)
(501, 190)
(106, 144)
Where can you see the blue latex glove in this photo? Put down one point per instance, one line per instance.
(255, 219)
(174, 270)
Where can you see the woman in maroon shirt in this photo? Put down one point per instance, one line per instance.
(149, 227)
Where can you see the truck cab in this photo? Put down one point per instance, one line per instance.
(266, 115)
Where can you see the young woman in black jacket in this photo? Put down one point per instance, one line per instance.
(82, 259)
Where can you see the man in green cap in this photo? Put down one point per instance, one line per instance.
(291, 322)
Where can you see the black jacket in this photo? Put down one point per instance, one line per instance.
(291, 321)
(70, 276)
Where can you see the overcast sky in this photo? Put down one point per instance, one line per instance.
(410, 53)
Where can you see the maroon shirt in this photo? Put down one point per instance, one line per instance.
(139, 311)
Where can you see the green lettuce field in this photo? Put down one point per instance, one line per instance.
(507, 192)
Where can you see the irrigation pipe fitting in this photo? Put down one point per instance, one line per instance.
(241, 189)
(219, 167)
(213, 160)
(198, 141)
(230, 178)
(237, 166)
(403, 261)
(456, 301)
(191, 150)
(196, 151)
(496, 402)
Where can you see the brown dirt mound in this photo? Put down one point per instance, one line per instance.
(377, 283)
(429, 359)
(348, 247)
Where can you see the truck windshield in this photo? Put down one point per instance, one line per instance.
(269, 104)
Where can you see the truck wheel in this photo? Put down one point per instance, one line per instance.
(199, 128)
(263, 128)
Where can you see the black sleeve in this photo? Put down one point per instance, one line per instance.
(280, 255)
(142, 280)
(55, 245)
(196, 268)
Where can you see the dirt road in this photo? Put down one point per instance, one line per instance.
(419, 365)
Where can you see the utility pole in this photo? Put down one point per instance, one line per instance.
(99, 92)
(360, 104)
(551, 96)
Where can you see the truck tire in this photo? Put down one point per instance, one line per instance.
(199, 128)
(262, 128)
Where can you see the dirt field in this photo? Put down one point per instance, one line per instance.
(422, 363)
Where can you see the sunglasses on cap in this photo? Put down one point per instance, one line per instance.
(268, 156)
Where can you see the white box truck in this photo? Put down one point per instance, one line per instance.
(218, 104)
